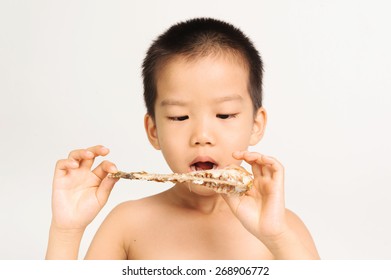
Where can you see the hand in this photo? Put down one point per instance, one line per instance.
(79, 193)
(262, 209)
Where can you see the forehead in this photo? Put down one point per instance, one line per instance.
(231, 58)
(216, 75)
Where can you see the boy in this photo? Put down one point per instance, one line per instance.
(203, 92)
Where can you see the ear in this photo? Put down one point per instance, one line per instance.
(150, 128)
(259, 125)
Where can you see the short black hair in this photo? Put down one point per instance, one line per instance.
(197, 38)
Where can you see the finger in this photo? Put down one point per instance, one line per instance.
(233, 202)
(249, 157)
(253, 157)
(273, 170)
(86, 156)
(262, 165)
(238, 155)
(98, 150)
(104, 190)
(63, 165)
(268, 163)
(107, 184)
(272, 164)
(104, 168)
(81, 154)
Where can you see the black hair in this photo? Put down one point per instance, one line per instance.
(197, 38)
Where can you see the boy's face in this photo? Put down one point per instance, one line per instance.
(203, 113)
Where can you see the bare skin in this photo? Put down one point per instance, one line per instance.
(200, 108)
(176, 225)
(179, 231)
(78, 195)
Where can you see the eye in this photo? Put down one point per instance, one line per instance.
(178, 119)
(226, 116)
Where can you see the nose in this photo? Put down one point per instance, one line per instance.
(202, 134)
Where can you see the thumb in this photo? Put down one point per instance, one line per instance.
(233, 202)
(104, 190)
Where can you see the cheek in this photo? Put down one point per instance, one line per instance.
(237, 138)
(170, 143)
(174, 150)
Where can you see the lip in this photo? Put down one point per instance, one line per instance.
(203, 159)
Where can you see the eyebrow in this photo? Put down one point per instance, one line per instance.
(172, 102)
(232, 97)
(175, 102)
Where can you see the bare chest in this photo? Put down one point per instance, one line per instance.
(194, 238)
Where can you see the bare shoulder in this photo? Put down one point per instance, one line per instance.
(131, 212)
(134, 210)
(301, 231)
(124, 222)
(295, 222)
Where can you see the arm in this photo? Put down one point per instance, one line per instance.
(78, 195)
(63, 244)
(110, 241)
(262, 211)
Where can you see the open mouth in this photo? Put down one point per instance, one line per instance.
(203, 165)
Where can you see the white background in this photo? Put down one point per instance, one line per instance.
(70, 78)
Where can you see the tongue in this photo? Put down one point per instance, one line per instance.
(203, 165)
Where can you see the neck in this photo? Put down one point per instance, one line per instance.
(197, 198)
